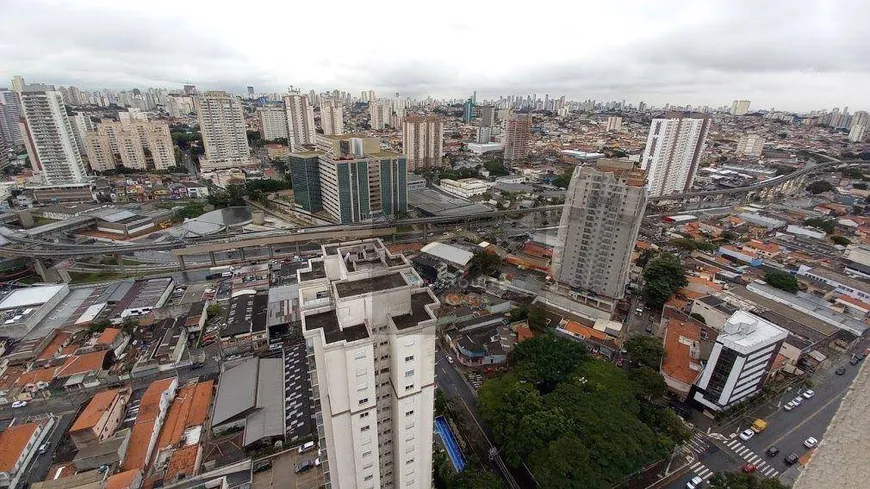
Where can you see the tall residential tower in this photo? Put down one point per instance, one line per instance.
(423, 142)
(222, 123)
(49, 136)
(300, 120)
(516, 137)
(673, 152)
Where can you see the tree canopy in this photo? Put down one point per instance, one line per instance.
(576, 421)
(841, 240)
(819, 187)
(495, 168)
(645, 350)
(662, 276)
(484, 262)
(826, 225)
(782, 281)
(739, 480)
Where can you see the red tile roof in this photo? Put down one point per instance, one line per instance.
(677, 362)
(137, 447)
(54, 346)
(122, 480)
(80, 364)
(182, 461)
(190, 408)
(12, 443)
(108, 336)
(91, 415)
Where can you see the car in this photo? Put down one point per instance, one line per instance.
(860, 356)
(747, 434)
(789, 406)
(772, 451)
(196, 366)
(748, 468)
(695, 483)
(809, 393)
(811, 442)
(103, 468)
(306, 446)
(854, 360)
(262, 466)
(840, 371)
(19, 404)
(44, 448)
(649, 328)
(449, 359)
(791, 458)
(797, 400)
(304, 466)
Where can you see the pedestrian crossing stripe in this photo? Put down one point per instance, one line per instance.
(701, 471)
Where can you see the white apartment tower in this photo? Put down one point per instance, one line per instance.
(740, 107)
(273, 123)
(856, 134)
(423, 142)
(332, 118)
(50, 137)
(750, 145)
(601, 218)
(379, 114)
(369, 327)
(673, 152)
(222, 124)
(134, 144)
(614, 123)
(300, 120)
(740, 361)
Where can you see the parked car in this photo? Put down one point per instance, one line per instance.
(747, 434)
(797, 400)
(262, 466)
(840, 371)
(304, 466)
(19, 404)
(695, 483)
(791, 458)
(43, 448)
(811, 442)
(748, 468)
(789, 406)
(306, 446)
(772, 451)
(809, 393)
(854, 360)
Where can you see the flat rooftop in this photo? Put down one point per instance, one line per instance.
(318, 271)
(332, 331)
(745, 331)
(371, 284)
(418, 311)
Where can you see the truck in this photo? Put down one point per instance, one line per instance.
(759, 425)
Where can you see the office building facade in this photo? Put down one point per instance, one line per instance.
(423, 142)
(222, 124)
(516, 137)
(273, 123)
(601, 218)
(750, 145)
(740, 107)
(49, 137)
(369, 328)
(740, 361)
(673, 153)
(468, 111)
(300, 120)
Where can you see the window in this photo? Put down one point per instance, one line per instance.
(368, 477)
(359, 355)
(410, 461)
(409, 358)
(365, 428)
(409, 413)
(367, 466)
(362, 387)
(363, 401)
(363, 415)
(409, 373)
(409, 387)
(360, 372)
(367, 454)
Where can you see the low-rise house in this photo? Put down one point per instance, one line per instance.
(18, 445)
(598, 342)
(153, 407)
(109, 452)
(100, 418)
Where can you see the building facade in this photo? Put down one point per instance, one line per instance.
(856, 133)
(10, 112)
(614, 123)
(332, 119)
(273, 123)
(222, 124)
(300, 120)
(516, 137)
(423, 142)
(740, 361)
(379, 114)
(740, 107)
(369, 327)
(137, 144)
(673, 152)
(750, 145)
(603, 211)
(50, 137)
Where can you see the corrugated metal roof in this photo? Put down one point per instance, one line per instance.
(237, 391)
(268, 420)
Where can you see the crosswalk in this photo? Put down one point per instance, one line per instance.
(762, 467)
(698, 444)
(701, 470)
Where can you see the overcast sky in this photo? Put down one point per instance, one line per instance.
(792, 55)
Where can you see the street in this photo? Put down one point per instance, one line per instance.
(786, 430)
(41, 463)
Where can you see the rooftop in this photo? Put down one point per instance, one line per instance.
(745, 332)
(829, 275)
(13, 441)
(190, 408)
(318, 271)
(682, 351)
(268, 419)
(332, 331)
(237, 391)
(122, 480)
(182, 463)
(452, 254)
(32, 296)
(137, 447)
(79, 364)
(369, 285)
(418, 311)
(100, 403)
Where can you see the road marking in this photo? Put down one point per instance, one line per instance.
(754, 459)
(733, 443)
(695, 466)
(817, 411)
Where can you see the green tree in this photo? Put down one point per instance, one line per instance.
(484, 263)
(782, 281)
(129, 324)
(475, 478)
(495, 168)
(537, 318)
(699, 317)
(841, 240)
(826, 225)
(649, 383)
(646, 351)
(212, 311)
(564, 179)
(735, 480)
(546, 360)
(819, 187)
(518, 314)
(662, 276)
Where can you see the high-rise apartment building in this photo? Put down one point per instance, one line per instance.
(300, 120)
(179, 106)
(740, 107)
(83, 124)
(750, 145)
(10, 114)
(49, 136)
(273, 123)
(136, 144)
(601, 218)
(487, 116)
(614, 123)
(484, 134)
(351, 178)
(17, 84)
(379, 114)
(222, 124)
(856, 134)
(468, 111)
(372, 96)
(99, 152)
(423, 142)
(132, 115)
(860, 118)
(332, 118)
(369, 328)
(673, 152)
(516, 137)
(740, 361)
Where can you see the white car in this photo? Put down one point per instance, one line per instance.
(695, 483)
(789, 406)
(747, 434)
(798, 400)
(811, 442)
(306, 446)
(809, 393)
(19, 404)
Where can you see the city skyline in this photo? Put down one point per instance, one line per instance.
(698, 55)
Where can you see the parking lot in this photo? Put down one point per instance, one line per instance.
(282, 473)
